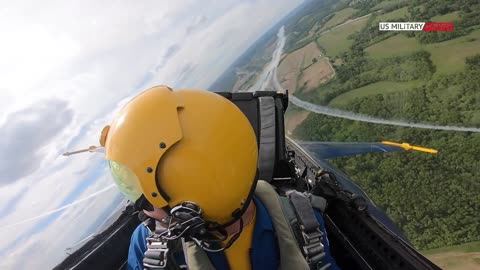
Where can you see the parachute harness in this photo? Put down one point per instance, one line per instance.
(186, 222)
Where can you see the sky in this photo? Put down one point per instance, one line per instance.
(66, 67)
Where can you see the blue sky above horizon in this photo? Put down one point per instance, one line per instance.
(66, 68)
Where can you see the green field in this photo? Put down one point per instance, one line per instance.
(336, 42)
(394, 46)
(446, 17)
(467, 247)
(398, 13)
(387, 4)
(448, 56)
(339, 17)
(373, 89)
(466, 256)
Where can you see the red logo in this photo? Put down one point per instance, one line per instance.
(438, 26)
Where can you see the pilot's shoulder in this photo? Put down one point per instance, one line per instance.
(138, 245)
(139, 235)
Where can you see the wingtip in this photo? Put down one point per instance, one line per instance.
(408, 146)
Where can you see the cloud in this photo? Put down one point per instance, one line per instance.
(24, 135)
(171, 51)
(185, 71)
(9, 206)
(63, 232)
(196, 24)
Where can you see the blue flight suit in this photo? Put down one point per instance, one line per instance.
(264, 245)
(138, 246)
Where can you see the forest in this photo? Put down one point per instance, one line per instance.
(435, 199)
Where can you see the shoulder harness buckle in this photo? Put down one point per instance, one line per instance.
(307, 226)
(156, 256)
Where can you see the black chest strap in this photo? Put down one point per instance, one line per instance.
(299, 210)
(159, 253)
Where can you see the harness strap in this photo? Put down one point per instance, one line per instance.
(304, 212)
(149, 223)
(305, 225)
(294, 222)
(290, 255)
(159, 253)
(318, 202)
(195, 257)
(267, 136)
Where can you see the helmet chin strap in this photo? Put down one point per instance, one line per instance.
(186, 221)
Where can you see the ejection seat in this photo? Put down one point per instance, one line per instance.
(265, 110)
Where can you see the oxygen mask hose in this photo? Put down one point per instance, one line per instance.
(186, 221)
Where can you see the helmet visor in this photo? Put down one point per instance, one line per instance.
(126, 180)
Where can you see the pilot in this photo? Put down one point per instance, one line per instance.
(192, 154)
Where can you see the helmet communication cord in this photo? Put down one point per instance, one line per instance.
(186, 222)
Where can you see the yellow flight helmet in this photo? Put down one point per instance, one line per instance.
(184, 145)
